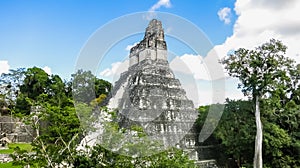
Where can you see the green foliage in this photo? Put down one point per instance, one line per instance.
(23, 105)
(10, 84)
(8, 165)
(239, 132)
(12, 146)
(139, 130)
(87, 87)
(275, 139)
(281, 128)
(57, 92)
(202, 118)
(57, 137)
(10, 89)
(101, 157)
(236, 132)
(61, 123)
(102, 87)
(85, 115)
(57, 145)
(263, 70)
(35, 83)
(40, 88)
(98, 101)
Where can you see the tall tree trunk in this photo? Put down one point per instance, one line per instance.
(259, 135)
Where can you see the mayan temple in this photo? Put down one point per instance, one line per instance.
(149, 94)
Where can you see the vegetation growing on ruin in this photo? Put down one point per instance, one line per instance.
(269, 80)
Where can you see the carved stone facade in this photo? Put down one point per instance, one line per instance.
(15, 130)
(153, 46)
(148, 94)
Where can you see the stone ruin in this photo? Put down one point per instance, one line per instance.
(152, 47)
(15, 130)
(148, 94)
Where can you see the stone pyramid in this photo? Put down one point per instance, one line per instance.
(148, 94)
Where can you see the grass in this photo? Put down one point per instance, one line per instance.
(8, 165)
(12, 146)
(10, 150)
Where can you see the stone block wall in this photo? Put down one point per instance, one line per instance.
(15, 130)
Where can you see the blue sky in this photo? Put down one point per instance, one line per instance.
(51, 33)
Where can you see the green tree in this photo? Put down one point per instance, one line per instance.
(59, 93)
(36, 82)
(234, 133)
(38, 88)
(101, 157)
(10, 87)
(280, 132)
(236, 130)
(261, 71)
(120, 147)
(23, 105)
(87, 87)
(57, 90)
(58, 141)
(32, 90)
(58, 133)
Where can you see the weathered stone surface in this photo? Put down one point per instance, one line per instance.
(15, 130)
(7, 124)
(153, 46)
(148, 94)
(4, 158)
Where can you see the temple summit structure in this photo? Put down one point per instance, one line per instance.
(148, 94)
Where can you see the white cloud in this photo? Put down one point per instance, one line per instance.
(203, 68)
(207, 95)
(191, 64)
(128, 47)
(224, 15)
(260, 20)
(115, 70)
(47, 70)
(159, 4)
(4, 66)
(194, 76)
(200, 78)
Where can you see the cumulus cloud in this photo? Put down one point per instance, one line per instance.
(195, 78)
(224, 15)
(115, 70)
(128, 47)
(207, 94)
(204, 79)
(260, 20)
(4, 66)
(159, 4)
(47, 70)
(257, 22)
(191, 64)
